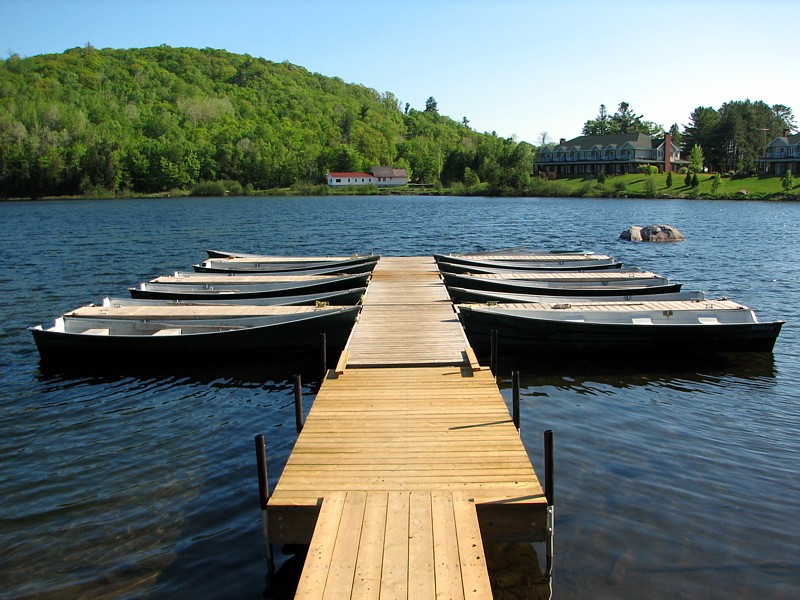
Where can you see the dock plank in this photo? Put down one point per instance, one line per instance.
(410, 451)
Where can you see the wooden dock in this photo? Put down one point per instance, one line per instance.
(408, 459)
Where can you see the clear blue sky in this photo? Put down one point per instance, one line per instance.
(517, 67)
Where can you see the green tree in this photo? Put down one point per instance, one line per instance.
(716, 182)
(431, 106)
(695, 181)
(696, 159)
(669, 179)
(687, 181)
(788, 181)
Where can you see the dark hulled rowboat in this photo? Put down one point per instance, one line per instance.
(676, 328)
(174, 335)
(243, 287)
(565, 287)
(463, 295)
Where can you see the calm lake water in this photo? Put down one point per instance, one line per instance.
(672, 480)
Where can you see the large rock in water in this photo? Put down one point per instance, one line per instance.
(652, 233)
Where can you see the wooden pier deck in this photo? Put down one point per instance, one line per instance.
(408, 459)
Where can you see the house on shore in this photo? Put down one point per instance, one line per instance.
(614, 154)
(379, 176)
(783, 154)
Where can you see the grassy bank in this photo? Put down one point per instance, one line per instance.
(620, 186)
(655, 186)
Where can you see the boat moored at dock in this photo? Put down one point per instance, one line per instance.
(640, 328)
(181, 334)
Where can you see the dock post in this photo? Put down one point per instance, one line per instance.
(493, 352)
(263, 498)
(323, 343)
(298, 403)
(549, 494)
(515, 397)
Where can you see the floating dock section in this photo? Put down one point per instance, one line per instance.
(408, 459)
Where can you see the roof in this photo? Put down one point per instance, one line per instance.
(350, 174)
(637, 140)
(388, 172)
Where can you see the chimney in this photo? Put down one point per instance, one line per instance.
(786, 132)
(562, 141)
(667, 153)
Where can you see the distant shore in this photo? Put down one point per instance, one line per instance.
(620, 186)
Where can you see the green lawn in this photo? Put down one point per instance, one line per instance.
(636, 185)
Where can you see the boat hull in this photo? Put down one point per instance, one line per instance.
(498, 267)
(534, 336)
(350, 267)
(243, 291)
(601, 288)
(464, 295)
(247, 344)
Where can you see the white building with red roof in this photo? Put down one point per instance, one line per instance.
(379, 176)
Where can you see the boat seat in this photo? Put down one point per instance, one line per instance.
(96, 331)
(708, 320)
(167, 332)
(642, 321)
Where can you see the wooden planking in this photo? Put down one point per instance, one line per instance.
(393, 545)
(622, 306)
(610, 275)
(193, 311)
(407, 318)
(414, 458)
(398, 429)
(533, 257)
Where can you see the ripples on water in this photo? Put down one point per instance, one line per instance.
(672, 480)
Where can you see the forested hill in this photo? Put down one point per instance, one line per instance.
(156, 119)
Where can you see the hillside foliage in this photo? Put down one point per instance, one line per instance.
(156, 119)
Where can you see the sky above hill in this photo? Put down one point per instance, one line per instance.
(517, 67)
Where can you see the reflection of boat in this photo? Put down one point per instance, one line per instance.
(190, 333)
(536, 263)
(214, 287)
(254, 265)
(459, 295)
(559, 284)
(706, 326)
(336, 298)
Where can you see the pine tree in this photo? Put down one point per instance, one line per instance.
(788, 181)
(695, 180)
(669, 179)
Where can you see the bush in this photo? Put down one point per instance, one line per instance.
(217, 188)
(648, 169)
(683, 170)
(669, 179)
(650, 186)
(601, 177)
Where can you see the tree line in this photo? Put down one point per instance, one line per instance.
(728, 139)
(156, 119)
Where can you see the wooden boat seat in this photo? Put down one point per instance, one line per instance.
(97, 331)
(172, 331)
(642, 321)
(708, 320)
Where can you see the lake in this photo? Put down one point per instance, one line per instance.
(674, 479)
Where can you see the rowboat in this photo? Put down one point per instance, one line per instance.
(348, 297)
(506, 267)
(180, 334)
(241, 266)
(214, 287)
(676, 327)
(464, 295)
(511, 261)
(292, 262)
(559, 284)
